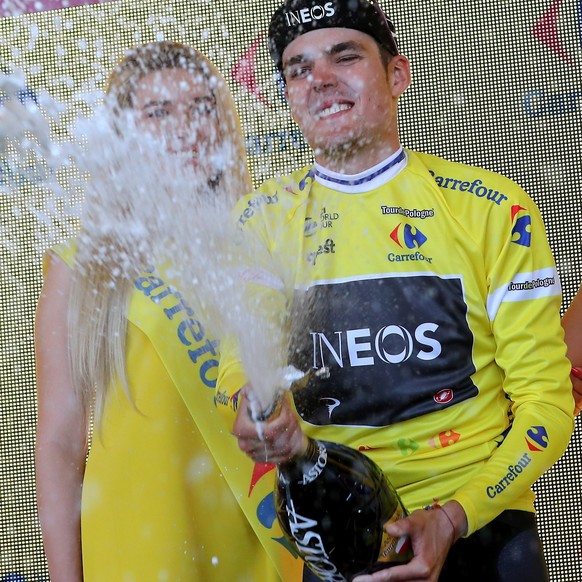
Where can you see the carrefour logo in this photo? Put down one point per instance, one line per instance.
(537, 438)
(521, 232)
(254, 203)
(513, 473)
(540, 103)
(406, 235)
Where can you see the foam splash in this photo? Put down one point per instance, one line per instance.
(121, 185)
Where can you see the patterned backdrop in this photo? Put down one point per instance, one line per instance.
(495, 83)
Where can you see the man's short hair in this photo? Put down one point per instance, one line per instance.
(296, 17)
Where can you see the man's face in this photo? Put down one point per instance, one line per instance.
(340, 93)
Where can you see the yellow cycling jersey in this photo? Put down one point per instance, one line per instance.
(438, 317)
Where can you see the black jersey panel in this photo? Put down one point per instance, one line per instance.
(397, 347)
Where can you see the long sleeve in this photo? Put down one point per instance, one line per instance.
(523, 306)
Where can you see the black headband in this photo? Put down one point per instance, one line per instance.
(296, 17)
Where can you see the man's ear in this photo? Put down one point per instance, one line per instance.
(399, 74)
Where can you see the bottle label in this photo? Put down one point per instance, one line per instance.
(395, 549)
(310, 545)
(315, 470)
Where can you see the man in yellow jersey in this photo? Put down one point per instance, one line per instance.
(439, 318)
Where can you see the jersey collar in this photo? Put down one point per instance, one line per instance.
(364, 181)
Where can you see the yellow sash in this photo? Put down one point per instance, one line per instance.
(189, 355)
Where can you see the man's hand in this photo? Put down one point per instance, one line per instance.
(432, 533)
(277, 440)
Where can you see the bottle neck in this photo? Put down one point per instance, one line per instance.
(294, 381)
(269, 413)
(306, 467)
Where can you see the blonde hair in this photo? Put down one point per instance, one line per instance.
(100, 295)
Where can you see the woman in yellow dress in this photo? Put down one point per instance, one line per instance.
(146, 501)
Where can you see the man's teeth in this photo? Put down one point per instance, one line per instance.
(334, 109)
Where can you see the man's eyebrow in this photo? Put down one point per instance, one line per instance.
(295, 60)
(335, 49)
(350, 45)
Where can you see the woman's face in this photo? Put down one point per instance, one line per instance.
(177, 106)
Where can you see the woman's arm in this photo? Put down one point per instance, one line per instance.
(572, 324)
(61, 440)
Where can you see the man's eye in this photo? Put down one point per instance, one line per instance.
(298, 72)
(346, 59)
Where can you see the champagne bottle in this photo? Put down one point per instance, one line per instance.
(333, 503)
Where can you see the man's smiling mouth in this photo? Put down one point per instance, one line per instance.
(332, 109)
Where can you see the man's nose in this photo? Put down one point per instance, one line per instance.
(322, 77)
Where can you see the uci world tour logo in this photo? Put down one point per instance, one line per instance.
(560, 30)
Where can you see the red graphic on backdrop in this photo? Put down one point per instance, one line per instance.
(546, 31)
(17, 7)
(244, 71)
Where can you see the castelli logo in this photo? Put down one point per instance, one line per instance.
(443, 396)
(305, 15)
